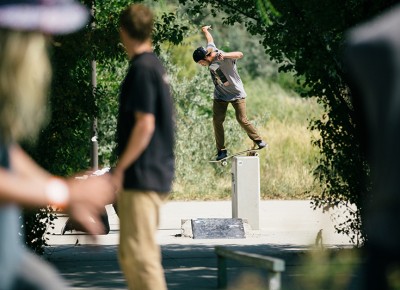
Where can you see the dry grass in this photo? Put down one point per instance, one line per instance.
(286, 165)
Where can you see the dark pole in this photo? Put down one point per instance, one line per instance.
(94, 149)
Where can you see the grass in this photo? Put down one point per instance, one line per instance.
(286, 166)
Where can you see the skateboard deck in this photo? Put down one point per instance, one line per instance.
(249, 152)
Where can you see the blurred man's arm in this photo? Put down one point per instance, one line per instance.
(140, 138)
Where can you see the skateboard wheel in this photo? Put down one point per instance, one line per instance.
(256, 154)
(224, 163)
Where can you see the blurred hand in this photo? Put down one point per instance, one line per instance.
(87, 200)
(206, 27)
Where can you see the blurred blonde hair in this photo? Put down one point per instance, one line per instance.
(25, 73)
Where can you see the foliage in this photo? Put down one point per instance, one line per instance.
(35, 233)
(327, 269)
(281, 118)
(64, 146)
(109, 76)
(306, 38)
(168, 30)
(195, 146)
(285, 166)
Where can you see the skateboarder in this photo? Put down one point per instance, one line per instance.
(228, 90)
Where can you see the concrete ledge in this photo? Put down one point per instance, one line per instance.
(274, 266)
(187, 226)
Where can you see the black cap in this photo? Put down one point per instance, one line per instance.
(199, 54)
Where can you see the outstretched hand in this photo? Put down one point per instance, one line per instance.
(88, 198)
(206, 27)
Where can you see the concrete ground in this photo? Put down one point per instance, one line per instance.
(288, 229)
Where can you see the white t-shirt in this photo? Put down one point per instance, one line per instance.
(228, 84)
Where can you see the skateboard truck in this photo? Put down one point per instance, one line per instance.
(249, 152)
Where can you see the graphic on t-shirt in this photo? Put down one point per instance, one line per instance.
(218, 76)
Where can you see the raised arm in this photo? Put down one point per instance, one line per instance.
(230, 55)
(207, 33)
(210, 39)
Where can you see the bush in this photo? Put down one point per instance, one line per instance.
(35, 226)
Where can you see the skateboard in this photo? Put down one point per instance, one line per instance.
(249, 152)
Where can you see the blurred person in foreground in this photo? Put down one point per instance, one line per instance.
(25, 74)
(145, 143)
(373, 58)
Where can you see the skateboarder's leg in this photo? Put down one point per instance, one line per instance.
(219, 113)
(241, 117)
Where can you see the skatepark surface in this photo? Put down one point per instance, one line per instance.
(288, 229)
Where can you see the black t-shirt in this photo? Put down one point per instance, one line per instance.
(145, 89)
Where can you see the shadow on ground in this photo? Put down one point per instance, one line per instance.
(194, 267)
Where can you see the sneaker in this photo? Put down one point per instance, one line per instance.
(222, 154)
(261, 144)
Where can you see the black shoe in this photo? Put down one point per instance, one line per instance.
(222, 154)
(261, 144)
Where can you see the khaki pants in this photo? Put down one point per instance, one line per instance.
(219, 113)
(139, 254)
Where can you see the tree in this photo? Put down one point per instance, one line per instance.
(306, 37)
(63, 147)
